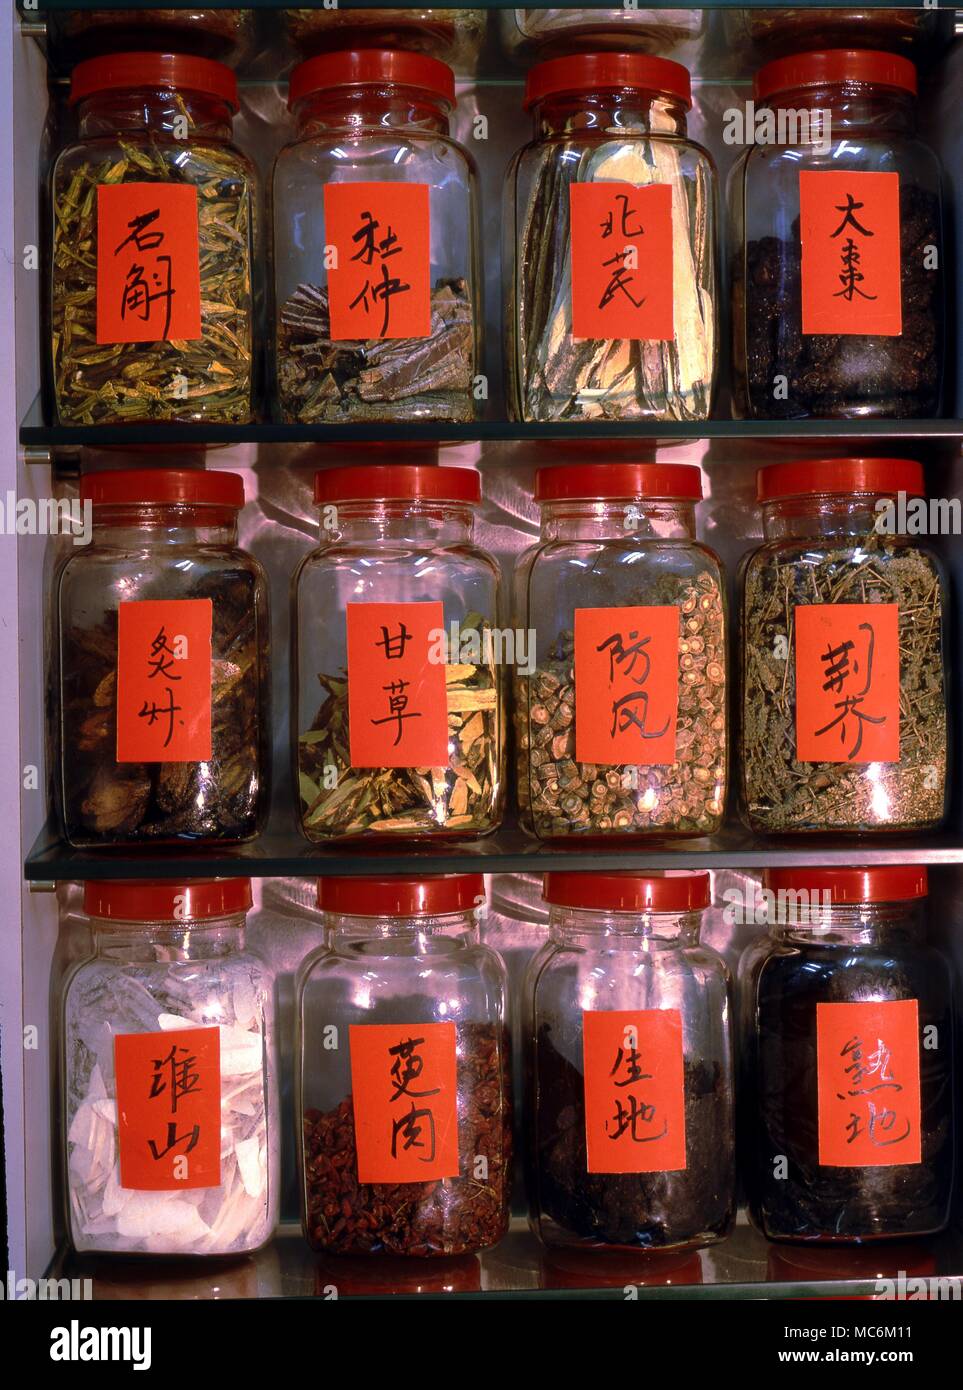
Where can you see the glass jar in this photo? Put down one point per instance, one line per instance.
(552, 32)
(844, 700)
(630, 1071)
(398, 706)
(210, 33)
(606, 197)
(626, 705)
(403, 1075)
(151, 309)
(455, 36)
(837, 282)
(377, 291)
(851, 1061)
(158, 679)
(783, 31)
(170, 1102)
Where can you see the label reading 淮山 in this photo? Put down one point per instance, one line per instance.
(148, 263)
(626, 685)
(397, 696)
(405, 1096)
(378, 244)
(621, 260)
(169, 1109)
(634, 1091)
(868, 1071)
(164, 681)
(850, 243)
(847, 682)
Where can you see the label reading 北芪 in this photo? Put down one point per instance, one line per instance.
(621, 261)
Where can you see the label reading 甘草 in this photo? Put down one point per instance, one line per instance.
(405, 1098)
(164, 681)
(847, 682)
(634, 1091)
(849, 228)
(621, 261)
(397, 697)
(169, 1109)
(626, 685)
(379, 276)
(148, 263)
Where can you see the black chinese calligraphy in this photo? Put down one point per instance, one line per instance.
(869, 1076)
(841, 672)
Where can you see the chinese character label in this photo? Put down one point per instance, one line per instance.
(850, 242)
(164, 681)
(868, 1071)
(634, 1091)
(847, 683)
(397, 700)
(148, 263)
(621, 260)
(379, 285)
(626, 685)
(404, 1085)
(169, 1109)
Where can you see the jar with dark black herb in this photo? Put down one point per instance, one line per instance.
(630, 1068)
(159, 682)
(837, 269)
(851, 1061)
(844, 680)
(403, 1073)
(151, 307)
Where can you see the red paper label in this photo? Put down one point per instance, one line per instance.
(621, 260)
(868, 1068)
(634, 1091)
(397, 695)
(850, 241)
(378, 240)
(148, 263)
(169, 1109)
(404, 1085)
(847, 683)
(164, 681)
(626, 685)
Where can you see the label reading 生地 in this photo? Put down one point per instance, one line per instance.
(634, 1091)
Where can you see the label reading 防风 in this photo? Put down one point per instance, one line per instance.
(626, 685)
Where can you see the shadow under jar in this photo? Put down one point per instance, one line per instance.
(170, 1101)
(850, 1061)
(151, 304)
(631, 1129)
(844, 669)
(837, 280)
(159, 683)
(621, 728)
(610, 228)
(397, 688)
(403, 1077)
(377, 292)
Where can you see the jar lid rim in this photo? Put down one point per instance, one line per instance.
(827, 67)
(403, 482)
(428, 895)
(594, 72)
(843, 476)
(119, 71)
(360, 67)
(143, 486)
(877, 883)
(618, 482)
(177, 901)
(669, 891)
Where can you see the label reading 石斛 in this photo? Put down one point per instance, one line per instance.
(868, 1074)
(169, 1109)
(397, 695)
(626, 685)
(621, 261)
(847, 682)
(164, 681)
(405, 1097)
(634, 1091)
(378, 254)
(148, 263)
(849, 230)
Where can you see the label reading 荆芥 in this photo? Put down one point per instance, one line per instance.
(397, 696)
(164, 681)
(626, 685)
(621, 261)
(868, 1071)
(148, 263)
(847, 682)
(378, 240)
(634, 1091)
(849, 230)
(169, 1109)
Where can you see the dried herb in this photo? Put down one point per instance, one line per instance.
(207, 379)
(782, 793)
(462, 798)
(382, 378)
(687, 796)
(210, 33)
(453, 35)
(645, 1210)
(839, 374)
(447, 1216)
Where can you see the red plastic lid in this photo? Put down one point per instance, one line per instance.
(115, 71)
(190, 486)
(827, 477)
(834, 65)
(390, 482)
(607, 72)
(147, 900)
(372, 66)
(615, 481)
(883, 883)
(669, 892)
(432, 895)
